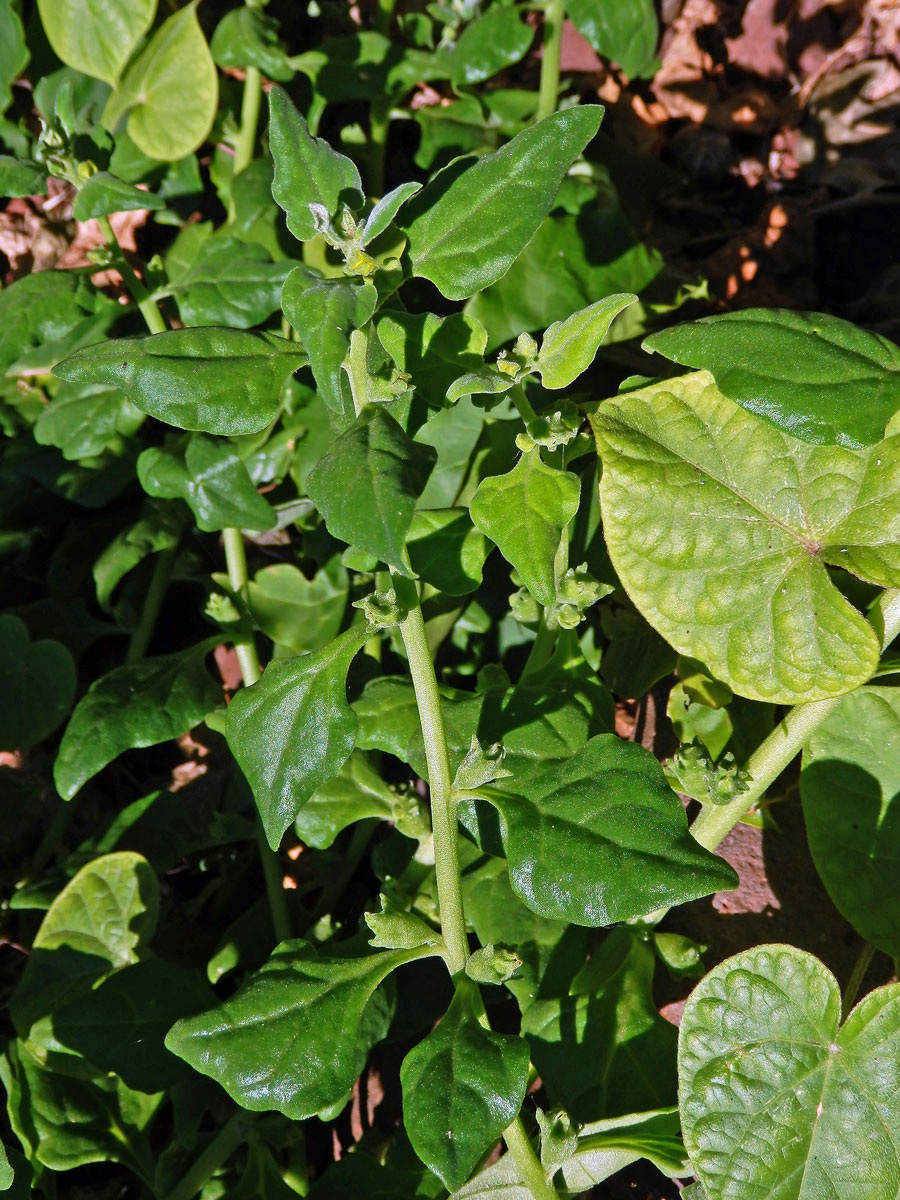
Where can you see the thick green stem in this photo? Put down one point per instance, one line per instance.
(219, 1150)
(153, 318)
(246, 138)
(784, 743)
(527, 1162)
(156, 593)
(548, 96)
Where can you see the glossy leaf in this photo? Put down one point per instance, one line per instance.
(524, 513)
(814, 376)
(488, 44)
(291, 1038)
(104, 194)
(230, 283)
(299, 613)
(210, 477)
(624, 30)
(134, 706)
(307, 170)
(37, 685)
(464, 232)
(96, 36)
(775, 1096)
(569, 346)
(601, 837)
(462, 1086)
(83, 420)
(432, 350)
(367, 483)
(356, 792)
(224, 381)
(247, 37)
(446, 550)
(720, 527)
(850, 787)
(171, 90)
(293, 730)
(324, 313)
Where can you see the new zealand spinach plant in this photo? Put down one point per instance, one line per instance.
(386, 877)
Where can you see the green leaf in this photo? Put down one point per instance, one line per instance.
(37, 685)
(324, 313)
(601, 837)
(524, 512)
(488, 44)
(6, 1172)
(291, 1038)
(14, 57)
(293, 730)
(569, 346)
(454, 433)
(231, 283)
(356, 792)
(171, 90)
(104, 194)
(82, 420)
(385, 211)
(96, 36)
(814, 376)
(20, 178)
(850, 787)
(210, 477)
(720, 527)
(446, 550)
(433, 350)
(246, 37)
(154, 532)
(134, 706)
(367, 483)
(465, 229)
(307, 170)
(462, 1086)
(50, 311)
(224, 381)
(299, 613)
(624, 30)
(775, 1097)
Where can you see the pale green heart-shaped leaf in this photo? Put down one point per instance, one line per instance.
(850, 787)
(104, 194)
(231, 283)
(569, 346)
(96, 36)
(82, 420)
(20, 178)
(170, 92)
(524, 513)
(291, 1038)
(469, 224)
(210, 477)
(293, 730)
(385, 211)
(775, 1098)
(299, 613)
(720, 527)
(446, 550)
(601, 837)
(367, 483)
(37, 685)
(324, 313)
(493, 41)
(307, 170)
(356, 792)
(432, 350)
(462, 1086)
(817, 377)
(624, 30)
(224, 381)
(134, 706)
(247, 37)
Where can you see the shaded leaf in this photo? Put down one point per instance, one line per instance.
(299, 613)
(37, 685)
(487, 45)
(246, 37)
(356, 792)
(20, 178)
(446, 550)
(230, 282)
(624, 30)
(83, 420)
(432, 350)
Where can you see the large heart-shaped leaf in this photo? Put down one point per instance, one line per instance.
(469, 224)
(96, 36)
(37, 685)
(293, 730)
(850, 787)
(778, 1099)
(601, 837)
(296, 1035)
(721, 528)
(224, 381)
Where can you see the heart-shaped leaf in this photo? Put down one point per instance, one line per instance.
(37, 685)
(776, 1097)
(721, 528)
(96, 36)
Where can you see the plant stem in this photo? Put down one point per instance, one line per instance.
(246, 137)
(219, 1150)
(866, 953)
(379, 124)
(527, 1162)
(548, 95)
(384, 14)
(156, 593)
(153, 318)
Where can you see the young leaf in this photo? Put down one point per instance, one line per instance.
(814, 376)
(96, 36)
(432, 350)
(367, 483)
(224, 381)
(37, 685)
(720, 527)
(171, 90)
(569, 346)
(104, 194)
(293, 730)
(467, 226)
(291, 1038)
(775, 1096)
(601, 837)
(307, 170)
(210, 477)
(385, 211)
(230, 283)
(462, 1086)
(134, 706)
(624, 30)
(524, 513)
(850, 787)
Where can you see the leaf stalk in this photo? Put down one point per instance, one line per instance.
(548, 94)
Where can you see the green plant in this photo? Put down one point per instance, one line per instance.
(347, 385)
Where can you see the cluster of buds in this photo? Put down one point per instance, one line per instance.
(692, 772)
